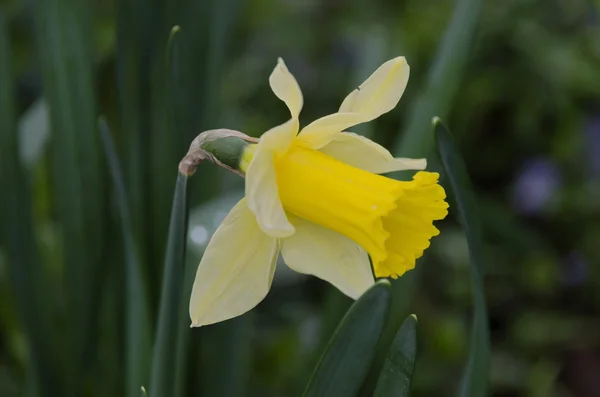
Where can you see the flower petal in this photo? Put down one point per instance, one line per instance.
(278, 139)
(321, 131)
(379, 94)
(363, 153)
(261, 183)
(236, 270)
(328, 255)
(286, 88)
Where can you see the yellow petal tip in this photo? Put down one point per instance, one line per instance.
(414, 316)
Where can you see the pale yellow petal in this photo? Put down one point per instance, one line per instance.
(321, 131)
(286, 88)
(236, 270)
(379, 94)
(261, 183)
(363, 153)
(278, 139)
(328, 255)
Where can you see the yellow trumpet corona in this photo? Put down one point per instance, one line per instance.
(317, 197)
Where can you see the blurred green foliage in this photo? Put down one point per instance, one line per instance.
(525, 109)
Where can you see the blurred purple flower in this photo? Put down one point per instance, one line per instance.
(536, 184)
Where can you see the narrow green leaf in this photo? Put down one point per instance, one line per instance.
(137, 322)
(444, 79)
(66, 62)
(163, 361)
(184, 336)
(168, 133)
(17, 234)
(403, 290)
(396, 376)
(137, 34)
(462, 198)
(347, 358)
(179, 88)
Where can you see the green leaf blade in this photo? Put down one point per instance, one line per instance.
(475, 379)
(137, 321)
(348, 357)
(396, 376)
(65, 56)
(165, 345)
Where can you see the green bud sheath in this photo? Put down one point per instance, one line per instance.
(222, 147)
(227, 150)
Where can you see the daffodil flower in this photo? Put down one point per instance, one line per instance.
(317, 197)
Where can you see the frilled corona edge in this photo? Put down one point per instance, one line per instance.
(222, 147)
